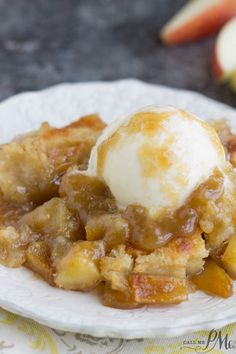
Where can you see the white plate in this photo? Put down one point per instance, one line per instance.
(22, 293)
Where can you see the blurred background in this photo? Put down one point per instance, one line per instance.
(43, 43)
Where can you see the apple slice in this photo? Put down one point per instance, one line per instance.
(233, 81)
(197, 19)
(224, 58)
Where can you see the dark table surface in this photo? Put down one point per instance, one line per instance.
(45, 42)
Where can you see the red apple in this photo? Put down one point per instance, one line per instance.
(197, 19)
(224, 58)
(233, 81)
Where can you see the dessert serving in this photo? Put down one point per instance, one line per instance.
(143, 210)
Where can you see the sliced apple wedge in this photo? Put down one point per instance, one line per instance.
(224, 59)
(233, 81)
(214, 280)
(197, 19)
(118, 299)
(229, 257)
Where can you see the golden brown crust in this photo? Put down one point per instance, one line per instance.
(92, 121)
(194, 248)
(32, 165)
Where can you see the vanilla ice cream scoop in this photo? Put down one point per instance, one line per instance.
(156, 158)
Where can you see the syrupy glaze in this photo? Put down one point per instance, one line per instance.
(87, 196)
(149, 233)
(91, 199)
(148, 123)
(145, 122)
(152, 158)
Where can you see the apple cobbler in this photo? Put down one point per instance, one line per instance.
(67, 223)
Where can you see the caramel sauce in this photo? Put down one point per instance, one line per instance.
(103, 151)
(91, 198)
(87, 196)
(154, 160)
(145, 122)
(149, 233)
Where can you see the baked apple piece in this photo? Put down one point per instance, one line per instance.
(214, 280)
(79, 268)
(53, 219)
(38, 260)
(229, 257)
(14, 244)
(163, 261)
(134, 251)
(112, 228)
(44, 157)
(59, 247)
(85, 195)
(193, 247)
(118, 299)
(217, 212)
(160, 277)
(158, 289)
(43, 256)
(144, 231)
(115, 269)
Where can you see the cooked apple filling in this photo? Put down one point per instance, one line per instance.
(68, 228)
